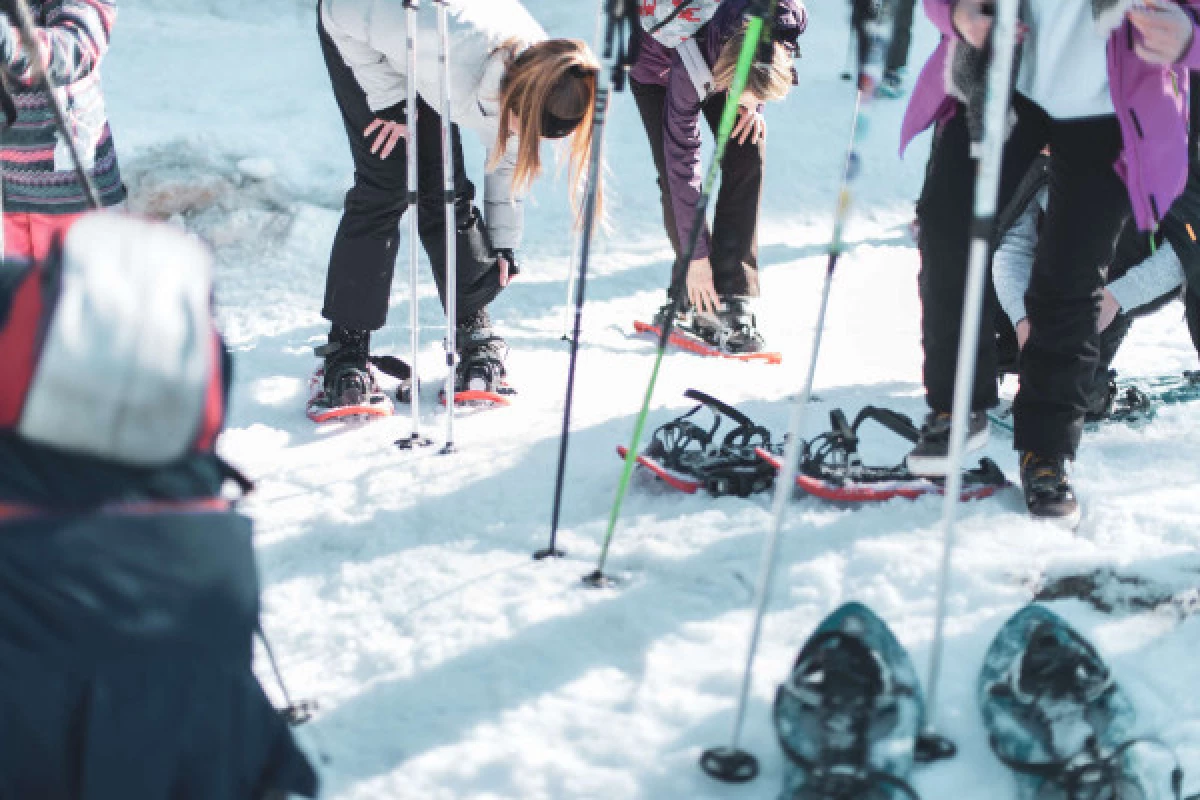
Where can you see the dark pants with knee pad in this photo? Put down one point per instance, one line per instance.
(734, 250)
(1088, 207)
(368, 237)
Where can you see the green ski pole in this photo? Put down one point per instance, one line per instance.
(758, 32)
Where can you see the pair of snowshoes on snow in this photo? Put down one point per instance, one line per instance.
(850, 717)
(349, 381)
(745, 461)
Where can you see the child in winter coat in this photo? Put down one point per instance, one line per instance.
(41, 192)
(511, 85)
(129, 593)
(683, 72)
(1103, 84)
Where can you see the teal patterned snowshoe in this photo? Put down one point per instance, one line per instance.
(849, 715)
(1060, 721)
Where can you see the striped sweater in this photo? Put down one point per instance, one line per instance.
(38, 175)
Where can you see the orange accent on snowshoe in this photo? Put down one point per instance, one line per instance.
(873, 492)
(477, 397)
(318, 415)
(674, 480)
(700, 348)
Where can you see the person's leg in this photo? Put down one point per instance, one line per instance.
(897, 57)
(18, 235)
(651, 104)
(46, 229)
(1088, 206)
(945, 215)
(364, 249)
(477, 275)
(734, 250)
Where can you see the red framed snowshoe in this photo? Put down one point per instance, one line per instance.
(320, 408)
(688, 457)
(685, 339)
(831, 468)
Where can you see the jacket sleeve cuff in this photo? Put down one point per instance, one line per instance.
(1191, 56)
(941, 14)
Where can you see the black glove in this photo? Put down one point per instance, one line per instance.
(514, 269)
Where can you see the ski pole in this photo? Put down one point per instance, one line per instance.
(758, 31)
(415, 439)
(872, 22)
(571, 273)
(620, 25)
(18, 12)
(987, 190)
(451, 342)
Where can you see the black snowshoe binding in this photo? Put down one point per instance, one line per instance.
(1060, 721)
(733, 329)
(690, 457)
(345, 386)
(832, 468)
(480, 376)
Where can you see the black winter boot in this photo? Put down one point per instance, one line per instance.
(347, 379)
(1048, 492)
(481, 355)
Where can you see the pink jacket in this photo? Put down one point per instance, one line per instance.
(1151, 103)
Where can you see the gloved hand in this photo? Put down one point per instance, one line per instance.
(506, 259)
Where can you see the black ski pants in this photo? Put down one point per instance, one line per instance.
(902, 25)
(368, 238)
(734, 251)
(1088, 207)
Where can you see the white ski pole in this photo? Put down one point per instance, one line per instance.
(987, 190)
(451, 224)
(732, 764)
(414, 244)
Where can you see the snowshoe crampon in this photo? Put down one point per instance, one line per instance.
(1061, 722)
(849, 715)
(685, 338)
(832, 469)
(366, 402)
(688, 457)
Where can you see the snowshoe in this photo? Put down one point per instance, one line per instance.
(480, 376)
(831, 467)
(346, 385)
(1061, 722)
(849, 715)
(892, 85)
(1130, 401)
(688, 457)
(713, 337)
(733, 329)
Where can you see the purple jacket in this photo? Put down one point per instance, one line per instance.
(681, 123)
(1151, 103)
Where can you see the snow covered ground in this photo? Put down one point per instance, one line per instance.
(399, 588)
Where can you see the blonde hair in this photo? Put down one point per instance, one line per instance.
(771, 81)
(557, 76)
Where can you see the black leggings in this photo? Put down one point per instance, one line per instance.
(734, 251)
(364, 249)
(1088, 207)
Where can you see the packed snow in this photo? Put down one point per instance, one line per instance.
(399, 591)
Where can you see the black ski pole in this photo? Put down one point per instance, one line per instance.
(987, 190)
(871, 20)
(761, 15)
(18, 12)
(619, 34)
